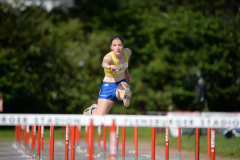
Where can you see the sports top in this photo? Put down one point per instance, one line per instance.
(120, 68)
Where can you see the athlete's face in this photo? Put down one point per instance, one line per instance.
(117, 46)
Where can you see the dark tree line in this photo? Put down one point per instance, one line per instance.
(50, 62)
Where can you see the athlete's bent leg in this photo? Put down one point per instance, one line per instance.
(103, 107)
(124, 93)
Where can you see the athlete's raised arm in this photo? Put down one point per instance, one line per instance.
(108, 63)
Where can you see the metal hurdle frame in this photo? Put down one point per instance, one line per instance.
(113, 121)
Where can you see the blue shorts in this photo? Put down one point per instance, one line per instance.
(108, 90)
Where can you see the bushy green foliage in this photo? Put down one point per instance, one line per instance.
(40, 61)
(51, 61)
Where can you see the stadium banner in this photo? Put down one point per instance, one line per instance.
(121, 120)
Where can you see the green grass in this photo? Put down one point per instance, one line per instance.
(229, 148)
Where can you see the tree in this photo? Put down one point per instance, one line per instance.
(52, 60)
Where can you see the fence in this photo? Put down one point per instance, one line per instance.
(113, 121)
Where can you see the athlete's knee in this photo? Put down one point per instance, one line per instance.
(120, 86)
(124, 84)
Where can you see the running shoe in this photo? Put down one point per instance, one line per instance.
(88, 111)
(127, 97)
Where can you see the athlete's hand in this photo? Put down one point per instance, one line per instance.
(112, 68)
(129, 77)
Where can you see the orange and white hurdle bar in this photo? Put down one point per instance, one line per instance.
(113, 121)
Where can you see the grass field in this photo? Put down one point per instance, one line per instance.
(224, 147)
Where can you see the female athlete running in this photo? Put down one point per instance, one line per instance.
(114, 86)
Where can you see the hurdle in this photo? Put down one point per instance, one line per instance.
(113, 121)
(153, 132)
(135, 133)
(153, 144)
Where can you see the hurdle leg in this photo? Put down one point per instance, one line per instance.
(33, 139)
(42, 137)
(73, 143)
(179, 143)
(212, 143)
(66, 142)
(166, 144)
(112, 135)
(136, 141)
(153, 143)
(22, 136)
(117, 142)
(104, 141)
(197, 144)
(77, 134)
(99, 140)
(209, 142)
(38, 145)
(25, 139)
(91, 140)
(51, 142)
(123, 142)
